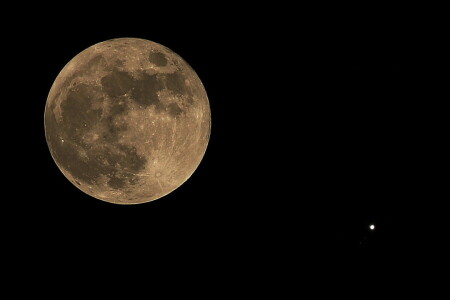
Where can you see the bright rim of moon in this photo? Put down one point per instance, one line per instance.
(127, 121)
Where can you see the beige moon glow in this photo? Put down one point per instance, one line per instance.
(127, 121)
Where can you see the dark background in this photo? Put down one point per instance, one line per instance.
(316, 114)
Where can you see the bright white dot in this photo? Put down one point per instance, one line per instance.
(372, 227)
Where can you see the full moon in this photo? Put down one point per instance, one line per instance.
(127, 121)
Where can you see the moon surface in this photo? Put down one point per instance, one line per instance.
(127, 121)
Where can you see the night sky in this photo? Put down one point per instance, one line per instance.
(314, 120)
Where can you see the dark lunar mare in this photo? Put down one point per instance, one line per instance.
(158, 59)
(144, 91)
(117, 83)
(106, 156)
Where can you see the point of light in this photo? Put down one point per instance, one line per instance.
(372, 227)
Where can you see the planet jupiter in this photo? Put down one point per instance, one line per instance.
(127, 121)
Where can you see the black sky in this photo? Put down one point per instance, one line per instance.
(315, 114)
